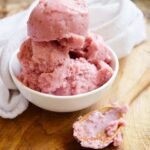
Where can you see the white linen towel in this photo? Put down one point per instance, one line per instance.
(120, 23)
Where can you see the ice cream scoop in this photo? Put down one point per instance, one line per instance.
(100, 128)
(56, 19)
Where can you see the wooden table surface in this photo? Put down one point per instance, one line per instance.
(37, 129)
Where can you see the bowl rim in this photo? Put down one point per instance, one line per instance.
(116, 68)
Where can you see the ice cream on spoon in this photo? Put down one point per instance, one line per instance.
(100, 128)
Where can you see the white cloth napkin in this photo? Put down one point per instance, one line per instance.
(120, 23)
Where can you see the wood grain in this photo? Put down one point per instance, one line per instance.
(37, 129)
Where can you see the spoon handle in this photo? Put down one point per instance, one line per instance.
(142, 84)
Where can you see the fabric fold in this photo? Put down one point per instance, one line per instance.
(12, 103)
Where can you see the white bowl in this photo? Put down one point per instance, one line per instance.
(61, 103)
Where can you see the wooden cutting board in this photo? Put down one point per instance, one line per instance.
(37, 129)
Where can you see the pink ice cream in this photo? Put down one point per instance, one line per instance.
(60, 57)
(56, 19)
(94, 130)
(58, 71)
